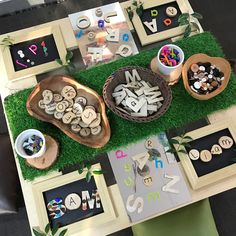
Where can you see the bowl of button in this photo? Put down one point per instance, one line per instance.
(205, 77)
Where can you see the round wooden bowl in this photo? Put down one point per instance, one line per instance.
(219, 62)
(56, 84)
(118, 77)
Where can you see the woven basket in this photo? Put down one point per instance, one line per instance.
(118, 77)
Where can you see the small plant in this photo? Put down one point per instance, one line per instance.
(49, 232)
(68, 65)
(6, 42)
(181, 142)
(189, 20)
(89, 171)
(135, 6)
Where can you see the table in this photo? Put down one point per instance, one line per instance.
(122, 220)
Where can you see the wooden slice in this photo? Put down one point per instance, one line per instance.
(172, 79)
(49, 157)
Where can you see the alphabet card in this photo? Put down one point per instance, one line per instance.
(210, 156)
(102, 34)
(159, 20)
(73, 203)
(149, 178)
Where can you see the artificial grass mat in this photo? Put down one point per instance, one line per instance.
(184, 109)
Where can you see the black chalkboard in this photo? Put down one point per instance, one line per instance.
(146, 16)
(72, 216)
(218, 161)
(34, 52)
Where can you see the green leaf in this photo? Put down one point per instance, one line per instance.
(130, 14)
(81, 168)
(36, 233)
(171, 150)
(47, 228)
(187, 31)
(183, 151)
(88, 176)
(98, 172)
(183, 22)
(188, 138)
(183, 17)
(55, 229)
(63, 232)
(88, 166)
(186, 144)
(139, 10)
(174, 141)
(197, 15)
(135, 3)
(59, 61)
(69, 55)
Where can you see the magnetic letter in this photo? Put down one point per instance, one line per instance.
(137, 204)
(159, 162)
(154, 12)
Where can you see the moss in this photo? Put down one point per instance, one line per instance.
(184, 108)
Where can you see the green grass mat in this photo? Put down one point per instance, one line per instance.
(184, 108)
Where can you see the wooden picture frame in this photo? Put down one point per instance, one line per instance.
(159, 36)
(197, 182)
(38, 69)
(93, 221)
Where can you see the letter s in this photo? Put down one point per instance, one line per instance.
(137, 204)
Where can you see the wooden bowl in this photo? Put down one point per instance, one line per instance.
(56, 84)
(118, 77)
(219, 62)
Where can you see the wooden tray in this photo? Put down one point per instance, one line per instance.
(118, 77)
(56, 84)
(218, 61)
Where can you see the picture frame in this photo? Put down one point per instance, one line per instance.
(107, 215)
(195, 180)
(37, 69)
(146, 39)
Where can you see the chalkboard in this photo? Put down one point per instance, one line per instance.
(34, 52)
(72, 216)
(218, 161)
(146, 16)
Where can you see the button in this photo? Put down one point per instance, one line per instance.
(68, 92)
(194, 68)
(171, 11)
(96, 130)
(88, 116)
(194, 154)
(216, 149)
(85, 132)
(72, 201)
(202, 68)
(205, 156)
(226, 142)
(197, 85)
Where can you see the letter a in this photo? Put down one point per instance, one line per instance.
(151, 25)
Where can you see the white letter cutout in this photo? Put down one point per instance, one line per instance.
(83, 22)
(96, 53)
(142, 159)
(124, 50)
(151, 25)
(132, 77)
(137, 205)
(174, 180)
(113, 35)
